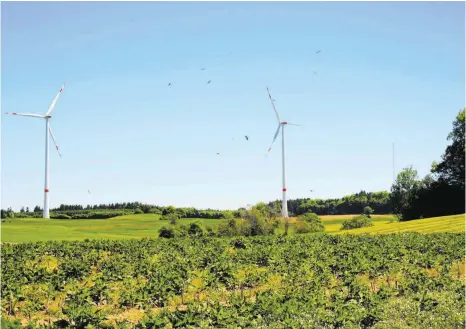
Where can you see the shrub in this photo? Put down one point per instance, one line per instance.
(302, 227)
(138, 211)
(228, 215)
(172, 217)
(258, 224)
(357, 222)
(210, 231)
(195, 229)
(225, 229)
(232, 223)
(287, 226)
(181, 231)
(60, 216)
(368, 211)
(145, 208)
(314, 222)
(245, 228)
(166, 232)
(87, 214)
(275, 222)
(238, 243)
(155, 211)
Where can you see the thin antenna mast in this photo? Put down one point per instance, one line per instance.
(393, 159)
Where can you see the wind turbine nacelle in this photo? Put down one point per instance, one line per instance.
(48, 116)
(284, 123)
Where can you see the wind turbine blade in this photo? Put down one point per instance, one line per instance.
(273, 105)
(293, 124)
(275, 137)
(27, 114)
(54, 141)
(54, 101)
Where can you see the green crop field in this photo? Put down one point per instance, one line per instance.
(147, 225)
(406, 280)
(452, 224)
(123, 227)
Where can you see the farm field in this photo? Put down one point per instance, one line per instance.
(406, 280)
(123, 227)
(454, 223)
(147, 225)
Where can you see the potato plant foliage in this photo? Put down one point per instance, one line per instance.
(407, 280)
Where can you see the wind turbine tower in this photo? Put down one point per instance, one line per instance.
(48, 130)
(281, 125)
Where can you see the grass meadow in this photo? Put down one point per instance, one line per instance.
(148, 225)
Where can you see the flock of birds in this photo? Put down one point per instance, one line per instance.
(246, 137)
(203, 69)
(208, 82)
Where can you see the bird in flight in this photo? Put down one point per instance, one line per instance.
(203, 69)
(169, 84)
(88, 191)
(246, 136)
(218, 153)
(318, 51)
(208, 81)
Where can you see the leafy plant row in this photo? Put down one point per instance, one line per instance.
(405, 280)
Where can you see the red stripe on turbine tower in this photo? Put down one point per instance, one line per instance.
(284, 190)
(46, 190)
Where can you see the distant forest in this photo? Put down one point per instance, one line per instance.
(351, 204)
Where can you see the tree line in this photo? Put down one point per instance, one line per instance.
(439, 193)
(351, 204)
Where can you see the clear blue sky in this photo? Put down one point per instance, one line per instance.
(388, 72)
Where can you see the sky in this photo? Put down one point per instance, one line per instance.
(388, 72)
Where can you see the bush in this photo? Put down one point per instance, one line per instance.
(314, 222)
(145, 208)
(226, 229)
(195, 229)
(357, 222)
(166, 232)
(210, 231)
(368, 211)
(60, 216)
(287, 227)
(244, 228)
(192, 230)
(155, 211)
(275, 222)
(302, 227)
(87, 214)
(238, 243)
(181, 231)
(138, 211)
(172, 217)
(258, 224)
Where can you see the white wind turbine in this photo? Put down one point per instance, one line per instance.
(281, 124)
(48, 130)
